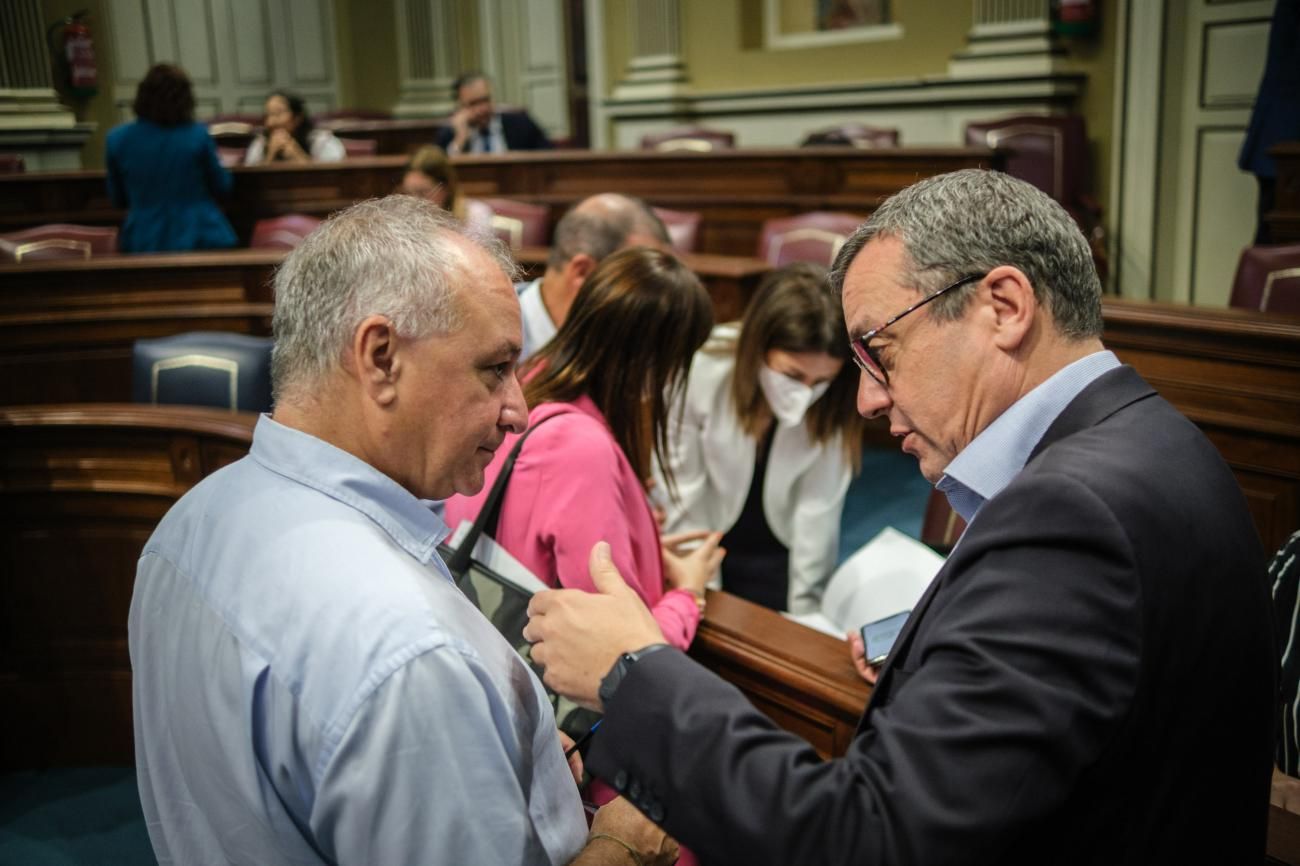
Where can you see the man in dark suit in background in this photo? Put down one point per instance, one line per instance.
(476, 127)
(1089, 679)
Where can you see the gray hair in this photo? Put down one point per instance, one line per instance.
(396, 256)
(601, 225)
(970, 222)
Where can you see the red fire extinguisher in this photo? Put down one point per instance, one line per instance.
(1075, 17)
(74, 55)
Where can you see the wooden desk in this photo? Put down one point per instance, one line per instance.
(802, 679)
(734, 190)
(227, 276)
(84, 355)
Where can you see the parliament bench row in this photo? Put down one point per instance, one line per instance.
(734, 191)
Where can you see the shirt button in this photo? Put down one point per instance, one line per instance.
(620, 781)
(656, 813)
(634, 791)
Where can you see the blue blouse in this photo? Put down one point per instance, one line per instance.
(167, 177)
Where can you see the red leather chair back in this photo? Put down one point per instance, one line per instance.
(60, 241)
(328, 119)
(941, 526)
(518, 224)
(360, 146)
(852, 135)
(695, 138)
(283, 232)
(812, 237)
(683, 227)
(1268, 279)
(1049, 151)
(12, 163)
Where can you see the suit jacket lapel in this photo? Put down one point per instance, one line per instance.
(1108, 394)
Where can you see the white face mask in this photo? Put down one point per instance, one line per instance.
(788, 397)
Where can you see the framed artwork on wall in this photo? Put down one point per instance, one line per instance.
(814, 23)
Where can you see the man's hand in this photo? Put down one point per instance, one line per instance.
(619, 827)
(460, 129)
(577, 636)
(859, 655)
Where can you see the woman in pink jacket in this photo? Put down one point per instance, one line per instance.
(604, 385)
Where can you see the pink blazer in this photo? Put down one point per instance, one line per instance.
(573, 486)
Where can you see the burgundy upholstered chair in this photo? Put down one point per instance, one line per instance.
(59, 241)
(811, 237)
(683, 227)
(1268, 279)
(12, 163)
(941, 526)
(282, 232)
(355, 147)
(1051, 152)
(693, 138)
(517, 223)
(329, 119)
(852, 135)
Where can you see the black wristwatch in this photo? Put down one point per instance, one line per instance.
(614, 678)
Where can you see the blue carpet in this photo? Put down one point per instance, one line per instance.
(72, 817)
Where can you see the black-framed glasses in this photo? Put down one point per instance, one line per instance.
(865, 356)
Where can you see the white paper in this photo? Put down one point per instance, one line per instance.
(887, 575)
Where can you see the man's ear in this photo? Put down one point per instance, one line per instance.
(1012, 304)
(576, 271)
(374, 359)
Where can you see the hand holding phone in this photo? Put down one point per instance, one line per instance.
(878, 637)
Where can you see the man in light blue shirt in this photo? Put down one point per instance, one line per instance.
(310, 686)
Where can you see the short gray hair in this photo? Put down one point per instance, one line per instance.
(600, 225)
(970, 222)
(395, 256)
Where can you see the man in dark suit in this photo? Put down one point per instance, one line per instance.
(476, 127)
(1089, 679)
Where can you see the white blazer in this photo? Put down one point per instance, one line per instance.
(712, 461)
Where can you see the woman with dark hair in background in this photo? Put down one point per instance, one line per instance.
(768, 440)
(430, 176)
(163, 169)
(604, 386)
(288, 135)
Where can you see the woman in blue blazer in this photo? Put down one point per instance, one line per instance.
(163, 169)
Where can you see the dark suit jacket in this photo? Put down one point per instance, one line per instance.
(1089, 679)
(520, 130)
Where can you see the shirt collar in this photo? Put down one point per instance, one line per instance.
(539, 328)
(315, 463)
(1000, 451)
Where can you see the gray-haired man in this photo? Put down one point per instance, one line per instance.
(310, 685)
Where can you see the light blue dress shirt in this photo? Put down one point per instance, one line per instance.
(311, 687)
(1001, 450)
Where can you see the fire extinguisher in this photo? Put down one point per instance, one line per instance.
(74, 55)
(1075, 17)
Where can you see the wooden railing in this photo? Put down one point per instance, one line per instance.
(735, 191)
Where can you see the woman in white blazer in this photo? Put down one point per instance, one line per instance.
(767, 439)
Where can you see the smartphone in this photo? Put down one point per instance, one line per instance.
(878, 637)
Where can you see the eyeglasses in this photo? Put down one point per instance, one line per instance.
(865, 356)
